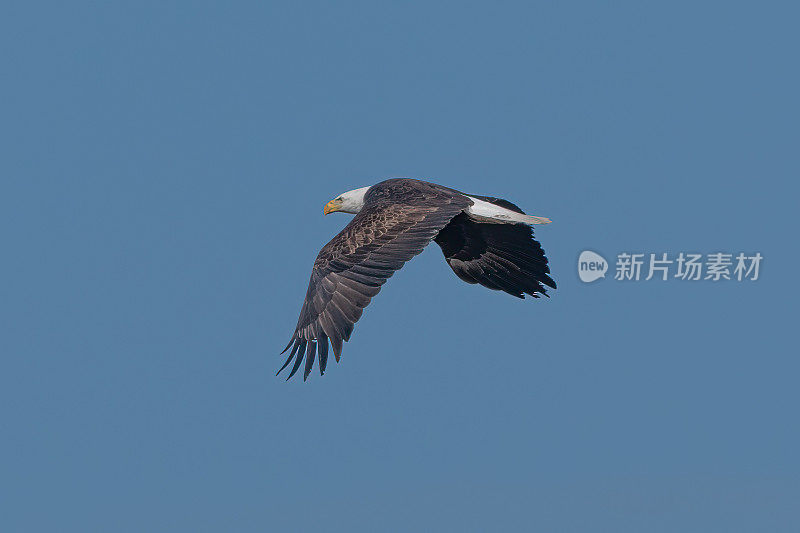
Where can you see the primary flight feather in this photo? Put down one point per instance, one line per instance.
(485, 240)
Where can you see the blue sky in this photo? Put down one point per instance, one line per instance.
(164, 168)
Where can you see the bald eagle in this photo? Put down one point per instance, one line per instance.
(485, 240)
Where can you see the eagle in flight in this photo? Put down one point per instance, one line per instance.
(485, 240)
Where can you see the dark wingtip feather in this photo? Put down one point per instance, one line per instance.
(291, 355)
(290, 343)
(299, 359)
(323, 354)
(284, 364)
(336, 343)
(312, 351)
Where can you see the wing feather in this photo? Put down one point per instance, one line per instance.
(312, 350)
(323, 354)
(299, 358)
(502, 257)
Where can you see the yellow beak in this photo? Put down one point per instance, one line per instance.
(331, 206)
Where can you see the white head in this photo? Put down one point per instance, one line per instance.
(349, 202)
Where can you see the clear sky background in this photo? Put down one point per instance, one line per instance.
(163, 172)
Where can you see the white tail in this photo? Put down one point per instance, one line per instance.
(485, 210)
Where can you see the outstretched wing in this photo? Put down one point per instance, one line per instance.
(350, 270)
(502, 257)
